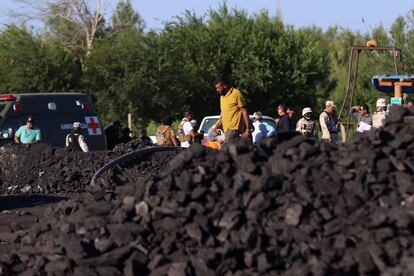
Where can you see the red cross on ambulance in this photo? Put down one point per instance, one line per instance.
(93, 125)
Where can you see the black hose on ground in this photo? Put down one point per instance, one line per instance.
(137, 153)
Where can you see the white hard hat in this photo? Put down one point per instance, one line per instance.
(330, 103)
(381, 102)
(306, 110)
(76, 124)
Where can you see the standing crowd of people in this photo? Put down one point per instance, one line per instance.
(234, 122)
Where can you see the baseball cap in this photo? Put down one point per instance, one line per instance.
(76, 124)
(30, 119)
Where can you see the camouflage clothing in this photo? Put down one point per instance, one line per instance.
(306, 127)
(378, 119)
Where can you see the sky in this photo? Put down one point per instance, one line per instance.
(321, 13)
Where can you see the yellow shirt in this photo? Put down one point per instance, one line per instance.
(230, 105)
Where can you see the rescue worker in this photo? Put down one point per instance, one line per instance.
(285, 121)
(165, 133)
(306, 126)
(28, 134)
(233, 112)
(260, 131)
(145, 138)
(75, 140)
(328, 121)
(378, 118)
(186, 132)
(363, 117)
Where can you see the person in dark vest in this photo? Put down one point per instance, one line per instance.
(328, 121)
(75, 139)
(285, 122)
(126, 135)
(113, 134)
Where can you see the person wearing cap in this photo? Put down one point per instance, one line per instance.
(260, 130)
(306, 126)
(28, 134)
(75, 140)
(378, 118)
(328, 121)
(362, 116)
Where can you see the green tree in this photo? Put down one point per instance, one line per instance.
(125, 17)
(27, 64)
(117, 77)
(398, 31)
(269, 62)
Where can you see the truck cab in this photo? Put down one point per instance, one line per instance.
(54, 115)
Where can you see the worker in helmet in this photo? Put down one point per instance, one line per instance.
(28, 134)
(306, 125)
(378, 118)
(75, 140)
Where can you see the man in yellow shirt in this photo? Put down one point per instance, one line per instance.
(233, 110)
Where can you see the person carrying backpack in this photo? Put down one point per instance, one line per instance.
(165, 134)
(186, 132)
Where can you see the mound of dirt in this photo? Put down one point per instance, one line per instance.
(289, 205)
(39, 168)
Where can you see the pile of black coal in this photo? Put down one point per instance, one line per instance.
(39, 168)
(296, 207)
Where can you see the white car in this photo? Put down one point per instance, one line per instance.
(209, 121)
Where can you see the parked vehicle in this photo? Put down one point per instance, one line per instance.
(55, 114)
(209, 121)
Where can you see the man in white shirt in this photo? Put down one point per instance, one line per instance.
(260, 130)
(186, 132)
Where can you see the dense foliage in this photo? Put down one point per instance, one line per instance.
(154, 73)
